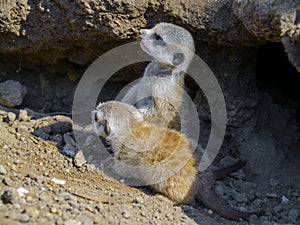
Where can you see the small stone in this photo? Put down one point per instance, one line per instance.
(79, 159)
(53, 210)
(126, 214)
(12, 93)
(42, 134)
(32, 212)
(219, 190)
(271, 195)
(99, 207)
(85, 220)
(26, 115)
(22, 191)
(273, 182)
(91, 167)
(138, 200)
(278, 208)
(284, 200)
(23, 217)
(65, 195)
(11, 117)
(293, 215)
(8, 197)
(28, 198)
(7, 181)
(72, 222)
(2, 170)
(240, 197)
(59, 221)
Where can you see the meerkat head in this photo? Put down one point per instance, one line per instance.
(169, 44)
(112, 117)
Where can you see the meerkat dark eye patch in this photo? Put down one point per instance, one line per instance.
(103, 128)
(157, 39)
(178, 58)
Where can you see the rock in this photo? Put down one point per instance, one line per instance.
(79, 159)
(2, 170)
(32, 212)
(126, 214)
(41, 133)
(272, 21)
(23, 217)
(11, 117)
(70, 148)
(284, 200)
(278, 208)
(65, 195)
(26, 114)
(72, 222)
(12, 93)
(274, 182)
(85, 220)
(9, 196)
(293, 215)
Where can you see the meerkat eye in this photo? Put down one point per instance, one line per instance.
(157, 39)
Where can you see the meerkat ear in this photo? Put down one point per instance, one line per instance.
(178, 58)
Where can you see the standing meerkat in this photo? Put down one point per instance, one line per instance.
(162, 158)
(159, 94)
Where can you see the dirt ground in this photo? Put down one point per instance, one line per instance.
(41, 185)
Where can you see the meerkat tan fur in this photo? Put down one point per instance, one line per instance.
(162, 157)
(158, 95)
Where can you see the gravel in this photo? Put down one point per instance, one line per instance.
(65, 189)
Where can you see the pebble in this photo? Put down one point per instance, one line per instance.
(79, 159)
(278, 208)
(42, 134)
(126, 214)
(99, 207)
(9, 196)
(2, 170)
(32, 212)
(273, 182)
(72, 222)
(23, 217)
(293, 215)
(284, 200)
(85, 220)
(65, 195)
(12, 93)
(11, 117)
(25, 115)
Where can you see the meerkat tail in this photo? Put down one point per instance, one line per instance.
(224, 172)
(210, 199)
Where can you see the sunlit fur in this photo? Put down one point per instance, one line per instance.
(167, 90)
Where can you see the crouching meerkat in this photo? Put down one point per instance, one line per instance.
(158, 95)
(161, 157)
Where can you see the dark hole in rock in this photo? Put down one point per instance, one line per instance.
(278, 117)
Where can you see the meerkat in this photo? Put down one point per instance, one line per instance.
(158, 95)
(161, 157)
